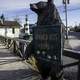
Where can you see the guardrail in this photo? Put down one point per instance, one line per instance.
(19, 47)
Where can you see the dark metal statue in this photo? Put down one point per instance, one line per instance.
(47, 16)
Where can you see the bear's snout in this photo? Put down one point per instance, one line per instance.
(33, 6)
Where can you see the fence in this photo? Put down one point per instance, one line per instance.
(18, 46)
(14, 44)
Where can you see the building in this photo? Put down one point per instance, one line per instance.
(9, 28)
(25, 31)
(26, 27)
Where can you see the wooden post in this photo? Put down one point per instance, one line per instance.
(78, 77)
(21, 46)
(5, 41)
(14, 46)
(8, 43)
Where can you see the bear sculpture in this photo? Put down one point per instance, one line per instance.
(47, 15)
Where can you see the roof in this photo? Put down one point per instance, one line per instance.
(10, 24)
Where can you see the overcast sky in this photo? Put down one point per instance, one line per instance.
(19, 8)
(17, 4)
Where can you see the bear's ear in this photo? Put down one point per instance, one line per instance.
(50, 1)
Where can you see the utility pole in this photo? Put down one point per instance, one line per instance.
(65, 2)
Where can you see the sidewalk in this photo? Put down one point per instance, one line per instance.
(72, 43)
(13, 68)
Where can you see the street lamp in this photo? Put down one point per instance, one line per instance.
(65, 2)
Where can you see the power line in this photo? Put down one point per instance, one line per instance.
(70, 10)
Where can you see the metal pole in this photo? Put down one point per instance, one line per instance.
(66, 19)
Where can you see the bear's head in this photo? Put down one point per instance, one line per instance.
(38, 7)
(47, 12)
